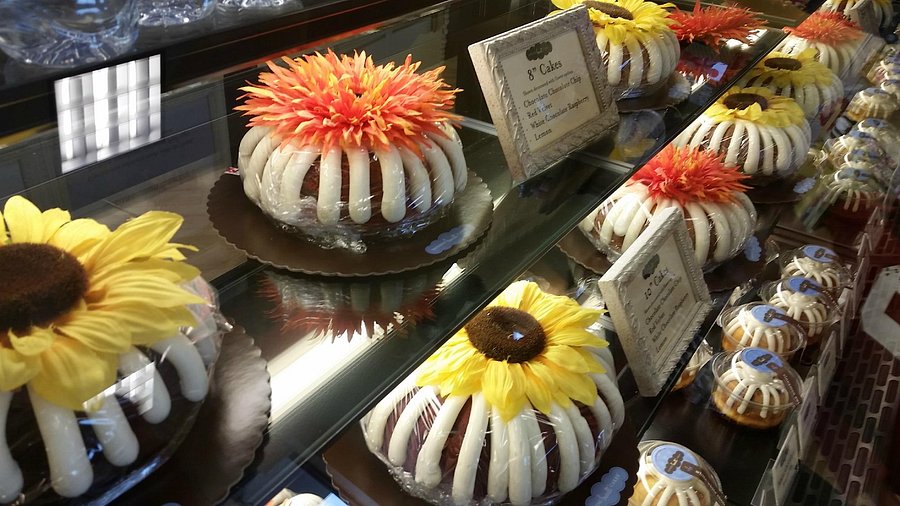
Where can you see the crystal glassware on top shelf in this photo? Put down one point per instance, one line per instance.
(67, 33)
(173, 13)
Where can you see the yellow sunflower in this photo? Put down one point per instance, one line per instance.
(757, 104)
(782, 70)
(524, 347)
(617, 18)
(74, 295)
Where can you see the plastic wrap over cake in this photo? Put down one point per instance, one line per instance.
(754, 387)
(818, 263)
(806, 302)
(835, 40)
(719, 216)
(762, 326)
(638, 46)
(100, 390)
(363, 152)
(468, 428)
(801, 77)
(671, 474)
(765, 135)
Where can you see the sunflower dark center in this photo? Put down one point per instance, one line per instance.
(609, 9)
(504, 333)
(38, 283)
(783, 64)
(745, 100)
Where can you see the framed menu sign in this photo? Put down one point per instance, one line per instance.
(657, 299)
(545, 89)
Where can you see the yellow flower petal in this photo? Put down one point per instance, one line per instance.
(148, 291)
(96, 330)
(142, 237)
(52, 220)
(33, 343)
(566, 357)
(150, 325)
(23, 219)
(539, 394)
(71, 373)
(564, 4)
(574, 336)
(3, 237)
(78, 236)
(503, 385)
(16, 369)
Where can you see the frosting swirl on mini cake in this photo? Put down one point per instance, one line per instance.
(762, 326)
(662, 484)
(817, 263)
(850, 187)
(751, 379)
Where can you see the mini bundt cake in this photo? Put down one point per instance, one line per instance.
(871, 103)
(765, 135)
(719, 216)
(817, 263)
(806, 302)
(851, 193)
(753, 387)
(835, 39)
(639, 49)
(106, 338)
(761, 326)
(672, 475)
(516, 408)
(341, 147)
(811, 84)
(855, 146)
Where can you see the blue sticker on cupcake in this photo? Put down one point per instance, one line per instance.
(819, 253)
(761, 359)
(670, 460)
(805, 286)
(873, 123)
(769, 315)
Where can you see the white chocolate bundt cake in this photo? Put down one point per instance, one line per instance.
(835, 40)
(750, 391)
(801, 77)
(505, 411)
(805, 301)
(104, 335)
(761, 326)
(719, 216)
(639, 49)
(340, 146)
(672, 475)
(765, 135)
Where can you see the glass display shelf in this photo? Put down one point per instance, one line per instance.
(196, 50)
(386, 326)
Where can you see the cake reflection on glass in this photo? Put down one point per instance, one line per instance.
(103, 336)
(516, 408)
(835, 39)
(698, 360)
(343, 150)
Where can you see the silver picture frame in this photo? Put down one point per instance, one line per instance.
(654, 325)
(488, 57)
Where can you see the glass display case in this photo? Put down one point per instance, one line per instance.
(334, 346)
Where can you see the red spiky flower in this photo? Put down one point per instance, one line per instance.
(830, 28)
(348, 101)
(711, 25)
(688, 174)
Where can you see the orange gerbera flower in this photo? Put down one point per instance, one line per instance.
(690, 174)
(829, 28)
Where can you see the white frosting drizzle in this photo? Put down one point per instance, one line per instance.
(685, 491)
(662, 55)
(749, 381)
(820, 272)
(11, 480)
(809, 311)
(135, 362)
(856, 195)
(758, 334)
(518, 468)
(70, 470)
(120, 445)
(626, 213)
(273, 177)
(180, 351)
